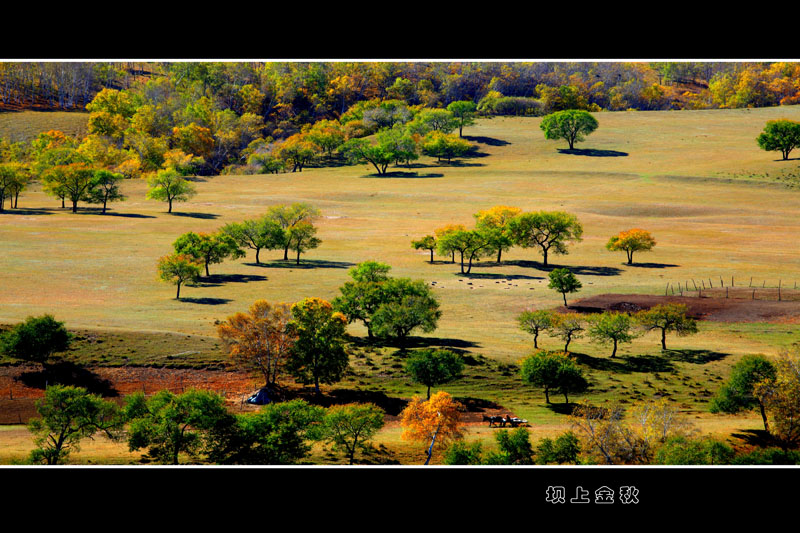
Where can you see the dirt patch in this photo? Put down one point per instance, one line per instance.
(717, 309)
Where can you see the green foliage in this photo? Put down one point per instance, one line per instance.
(350, 427)
(667, 318)
(461, 453)
(553, 371)
(610, 327)
(287, 216)
(434, 367)
(682, 450)
(68, 415)
(302, 237)
(470, 244)
(564, 449)
(780, 135)
(463, 112)
(551, 231)
(428, 242)
(444, 146)
(571, 124)
(514, 448)
(105, 188)
(535, 322)
(563, 281)
(768, 456)
(169, 186)
(207, 248)
(737, 394)
(179, 269)
(379, 156)
(36, 339)
(407, 305)
(257, 234)
(169, 425)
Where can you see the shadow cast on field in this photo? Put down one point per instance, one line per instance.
(215, 280)
(625, 364)
(699, 357)
(25, 211)
(206, 301)
(392, 406)
(561, 408)
(482, 275)
(486, 140)
(68, 373)
(592, 152)
(304, 264)
(651, 265)
(405, 175)
(461, 164)
(575, 269)
(207, 216)
(755, 437)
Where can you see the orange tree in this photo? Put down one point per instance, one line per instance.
(437, 419)
(632, 240)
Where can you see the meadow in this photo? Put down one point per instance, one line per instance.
(716, 204)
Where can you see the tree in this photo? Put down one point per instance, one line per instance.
(207, 248)
(563, 281)
(564, 449)
(318, 354)
(464, 113)
(428, 242)
(472, 244)
(571, 125)
(327, 135)
(169, 425)
(257, 234)
(551, 231)
(436, 419)
(302, 238)
(553, 371)
(535, 322)
(571, 380)
(438, 120)
(445, 230)
(68, 415)
(568, 326)
(406, 305)
(73, 181)
(378, 155)
(287, 216)
(738, 393)
(36, 339)
(781, 399)
(633, 240)
(461, 453)
(297, 150)
(8, 178)
(667, 317)
(260, 340)
(179, 269)
(682, 450)
(780, 135)
(350, 427)
(105, 188)
(444, 146)
(495, 220)
(169, 186)
(363, 296)
(614, 328)
(278, 434)
(514, 448)
(434, 367)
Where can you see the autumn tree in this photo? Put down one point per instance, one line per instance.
(612, 328)
(535, 322)
(630, 241)
(444, 230)
(169, 186)
(444, 146)
(569, 326)
(73, 182)
(179, 269)
(68, 415)
(435, 420)
(564, 281)
(259, 341)
(297, 150)
(106, 188)
(8, 179)
(428, 242)
(434, 367)
(286, 216)
(780, 135)
(470, 244)
(551, 231)
(349, 427)
(207, 248)
(571, 125)
(36, 339)
(318, 354)
(781, 399)
(738, 392)
(327, 136)
(667, 318)
(257, 234)
(496, 222)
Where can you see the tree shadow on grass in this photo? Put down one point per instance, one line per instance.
(461, 163)
(215, 280)
(578, 270)
(481, 275)
(592, 152)
(651, 265)
(392, 406)
(207, 216)
(405, 175)
(755, 437)
(625, 364)
(206, 301)
(68, 373)
(304, 263)
(25, 211)
(561, 408)
(476, 405)
(486, 140)
(699, 357)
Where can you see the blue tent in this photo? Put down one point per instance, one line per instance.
(259, 398)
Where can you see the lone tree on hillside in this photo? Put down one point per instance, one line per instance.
(350, 427)
(105, 188)
(549, 230)
(564, 281)
(434, 367)
(169, 186)
(428, 242)
(570, 124)
(667, 317)
(435, 420)
(632, 240)
(464, 113)
(179, 269)
(612, 328)
(780, 135)
(535, 322)
(36, 339)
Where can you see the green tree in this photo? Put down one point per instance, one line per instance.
(302, 237)
(257, 234)
(470, 244)
(178, 269)
(564, 449)
(363, 296)
(614, 328)
(36, 339)
(68, 415)
(434, 367)
(535, 322)
(514, 448)
(444, 146)
(461, 453)
(568, 326)
(551, 231)
(169, 186)
(564, 281)
(287, 216)
(464, 113)
(780, 135)
(571, 125)
(407, 305)
(350, 427)
(428, 242)
(571, 380)
(553, 371)
(105, 188)
(495, 221)
(738, 393)
(667, 318)
(73, 181)
(318, 354)
(169, 425)
(378, 155)
(682, 450)
(207, 248)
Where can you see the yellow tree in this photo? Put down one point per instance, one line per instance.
(781, 398)
(260, 340)
(437, 419)
(632, 240)
(446, 230)
(496, 219)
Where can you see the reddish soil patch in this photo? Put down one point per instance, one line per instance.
(717, 309)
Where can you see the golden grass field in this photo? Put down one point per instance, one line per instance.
(695, 179)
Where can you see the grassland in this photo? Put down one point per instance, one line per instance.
(695, 179)
(26, 125)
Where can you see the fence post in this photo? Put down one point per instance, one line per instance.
(751, 281)
(726, 292)
(721, 283)
(710, 284)
(695, 284)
